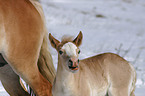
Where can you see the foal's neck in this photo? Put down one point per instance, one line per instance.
(64, 82)
(62, 73)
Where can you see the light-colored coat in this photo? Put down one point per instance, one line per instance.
(101, 75)
(23, 44)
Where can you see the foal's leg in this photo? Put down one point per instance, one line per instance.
(118, 92)
(11, 82)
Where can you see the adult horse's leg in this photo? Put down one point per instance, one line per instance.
(11, 81)
(23, 35)
(23, 58)
(45, 63)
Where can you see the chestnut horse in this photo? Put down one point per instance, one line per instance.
(100, 75)
(24, 46)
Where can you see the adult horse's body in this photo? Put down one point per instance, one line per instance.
(101, 75)
(23, 44)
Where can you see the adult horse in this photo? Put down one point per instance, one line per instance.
(23, 44)
(100, 75)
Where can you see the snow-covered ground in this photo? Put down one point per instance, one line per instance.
(116, 26)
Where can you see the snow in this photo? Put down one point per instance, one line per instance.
(116, 26)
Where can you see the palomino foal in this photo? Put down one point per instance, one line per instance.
(101, 75)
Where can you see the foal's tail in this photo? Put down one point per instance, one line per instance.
(45, 63)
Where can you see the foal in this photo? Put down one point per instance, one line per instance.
(100, 75)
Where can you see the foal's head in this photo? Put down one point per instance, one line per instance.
(68, 51)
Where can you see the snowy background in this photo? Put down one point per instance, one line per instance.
(116, 26)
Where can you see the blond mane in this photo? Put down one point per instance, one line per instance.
(66, 39)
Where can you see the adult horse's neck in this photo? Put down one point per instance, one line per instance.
(64, 79)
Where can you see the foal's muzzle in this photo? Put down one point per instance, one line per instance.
(73, 64)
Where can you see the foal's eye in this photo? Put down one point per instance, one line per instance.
(60, 52)
(79, 52)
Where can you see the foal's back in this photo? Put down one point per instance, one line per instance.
(110, 73)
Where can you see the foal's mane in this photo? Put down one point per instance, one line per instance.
(66, 38)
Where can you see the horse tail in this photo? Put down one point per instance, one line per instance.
(45, 63)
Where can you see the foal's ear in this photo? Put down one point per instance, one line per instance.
(78, 39)
(54, 42)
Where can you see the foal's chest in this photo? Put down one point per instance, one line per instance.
(63, 91)
(84, 89)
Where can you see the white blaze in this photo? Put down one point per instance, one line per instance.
(70, 49)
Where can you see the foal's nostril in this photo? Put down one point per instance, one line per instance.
(71, 63)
